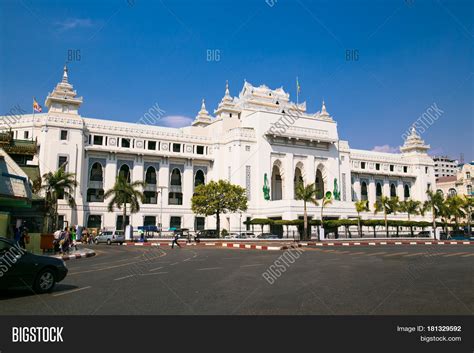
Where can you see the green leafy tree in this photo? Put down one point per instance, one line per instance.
(468, 208)
(306, 194)
(216, 198)
(435, 204)
(361, 206)
(454, 208)
(386, 205)
(410, 207)
(58, 185)
(124, 193)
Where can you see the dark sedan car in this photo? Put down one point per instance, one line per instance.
(20, 269)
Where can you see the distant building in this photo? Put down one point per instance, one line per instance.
(459, 184)
(445, 166)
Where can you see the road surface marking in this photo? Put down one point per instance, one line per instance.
(343, 252)
(377, 253)
(251, 265)
(174, 263)
(467, 255)
(187, 259)
(415, 254)
(154, 273)
(396, 254)
(358, 253)
(208, 268)
(71, 291)
(120, 278)
(455, 254)
(154, 269)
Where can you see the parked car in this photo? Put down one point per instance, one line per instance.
(248, 235)
(110, 236)
(424, 233)
(208, 233)
(22, 269)
(232, 236)
(267, 236)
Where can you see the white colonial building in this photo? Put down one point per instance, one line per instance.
(258, 138)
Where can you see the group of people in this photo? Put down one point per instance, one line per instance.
(65, 240)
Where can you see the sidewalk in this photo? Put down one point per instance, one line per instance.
(76, 254)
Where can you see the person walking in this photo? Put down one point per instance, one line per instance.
(73, 237)
(175, 240)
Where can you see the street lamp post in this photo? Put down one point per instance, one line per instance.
(160, 191)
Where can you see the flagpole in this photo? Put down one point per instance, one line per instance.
(33, 124)
(297, 92)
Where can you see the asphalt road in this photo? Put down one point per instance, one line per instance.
(207, 280)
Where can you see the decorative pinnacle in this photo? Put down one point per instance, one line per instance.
(65, 77)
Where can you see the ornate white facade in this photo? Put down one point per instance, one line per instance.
(259, 133)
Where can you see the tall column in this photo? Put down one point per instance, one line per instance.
(187, 186)
(371, 191)
(357, 189)
(400, 193)
(289, 177)
(110, 171)
(386, 188)
(163, 180)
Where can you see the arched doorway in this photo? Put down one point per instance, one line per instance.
(277, 183)
(319, 184)
(363, 191)
(393, 190)
(378, 192)
(298, 179)
(406, 191)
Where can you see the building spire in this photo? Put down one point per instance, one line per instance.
(65, 77)
(324, 112)
(203, 118)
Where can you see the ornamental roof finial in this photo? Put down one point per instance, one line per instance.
(65, 77)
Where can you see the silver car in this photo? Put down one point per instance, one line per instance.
(110, 236)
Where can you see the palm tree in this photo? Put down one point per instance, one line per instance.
(58, 185)
(384, 205)
(411, 207)
(454, 208)
(124, 193)
(324, 202)
(435, 205)
(361, 206)
(467, 208)
(307, 194)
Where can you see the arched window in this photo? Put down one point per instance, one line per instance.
(439, 191)
(378, 191)
(406, 191)
(319, 184)
(298, 179)
(124, 172)
(150, 176)
(96, 173)
(277, 187)
(176, 177)
(469, 190)
(452, 192)
(363, 191)
(175, 195)
(393, 190)
(199, 178)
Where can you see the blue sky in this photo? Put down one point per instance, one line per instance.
(135, 54)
